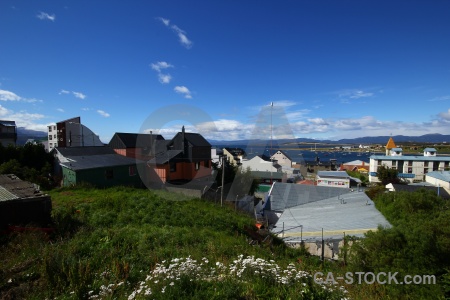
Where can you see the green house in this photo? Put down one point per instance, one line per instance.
(99, 166)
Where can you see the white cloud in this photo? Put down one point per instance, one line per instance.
(85, 109)
(164, 78)
(103, 113)
(79, 95)
(180, 33)
(184, 91)
(445, 116)
(64, 92)
(60, 109)
(160, 65)
(46, 16)
(4, 111)
(9, 96)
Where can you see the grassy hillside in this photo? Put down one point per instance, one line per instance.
(123, 243)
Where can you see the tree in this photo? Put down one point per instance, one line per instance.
(387, 175)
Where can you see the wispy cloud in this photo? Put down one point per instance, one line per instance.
(10, 96)
(442, 98)
(179, 32)
(76, 94)
(103, 113)
(60, 109)
(184, 91)
(353, 94)
(79, 95)
(45, 16)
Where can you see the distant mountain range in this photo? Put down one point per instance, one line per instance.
(24, 134)
(427, 138)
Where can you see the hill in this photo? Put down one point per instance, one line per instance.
(123, 243)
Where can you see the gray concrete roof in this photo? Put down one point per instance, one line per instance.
(342, 211)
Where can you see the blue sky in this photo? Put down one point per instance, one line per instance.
(332, 69)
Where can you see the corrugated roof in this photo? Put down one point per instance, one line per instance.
(390, 144)
(84, 151)
(411, 188)
(14, 188)
(352, 212)
(99, 161)
(286, 195)
(5, 195)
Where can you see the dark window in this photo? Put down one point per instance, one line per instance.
(109, 174)
(207, 163)
(173, 167)
(132, 170)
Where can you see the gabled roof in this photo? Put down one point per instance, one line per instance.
(196, 139)
(281, 151)
(164, 157)
(356, 163)
(390, 144)
(122, 140)
(84, 151)
(429, 150)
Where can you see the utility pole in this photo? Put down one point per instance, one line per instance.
(223, 179)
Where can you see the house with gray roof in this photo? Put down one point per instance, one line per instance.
(138, 145)
(99, 166)
(300, 212)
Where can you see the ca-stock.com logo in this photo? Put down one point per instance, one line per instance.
(184, 159)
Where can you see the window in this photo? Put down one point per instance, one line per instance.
(379, 163)
(409, 163)
(409, 170)
(132, 170)
(173, 167)
(49, 137)
(109, 174)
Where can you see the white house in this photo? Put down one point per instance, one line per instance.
(258, 164)
(412, 168)
(282, 159)
(333, 179)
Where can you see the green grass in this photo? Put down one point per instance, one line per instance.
(108, 241)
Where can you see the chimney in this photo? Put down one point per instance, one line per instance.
(182, 139)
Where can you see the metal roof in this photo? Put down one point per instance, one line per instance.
(412, 188)
(84, 151)
(352, 213)
(411, 157)
(99, 161)
(287, 195)
(336, 174)
(163, 157)
(12, 187)
(441, 175)
(429, 150)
